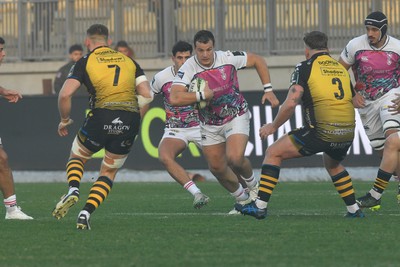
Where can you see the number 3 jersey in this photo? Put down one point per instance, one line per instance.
(327, 97)
(227, 102)
(110, 78)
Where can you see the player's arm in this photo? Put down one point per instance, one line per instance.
(285, 112)
(145, 94)
(64, 104)
(181, 97)
(261, 66)
(345, 65)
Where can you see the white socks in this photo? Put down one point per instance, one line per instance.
(10, 202)
(353, 208)
(191, 187)
(375, 194)
(240, 194)
(251, 181)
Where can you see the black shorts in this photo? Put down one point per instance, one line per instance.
(114, 130)
(309, 144)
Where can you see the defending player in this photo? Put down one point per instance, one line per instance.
(324, 88)
(113, 122)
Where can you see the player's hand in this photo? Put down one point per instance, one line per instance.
(358, 101)
(12, 95)
(271, 97)
(208, 93)
(395, 108)
(266, 130)
(62, 127)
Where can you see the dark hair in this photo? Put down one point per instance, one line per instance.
(97, 29)
(2, 41)
(316, 40)
(204, 37)
(182, 46)
(124, 44)
(75, 47)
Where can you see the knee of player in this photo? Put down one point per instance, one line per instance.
(235, 161)
(391, 126)
(3, 158)
(393, 141)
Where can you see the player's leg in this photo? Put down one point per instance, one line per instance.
(117, 148)
(388, 165)
(168, 149)
(237, 136)
(79, 155)
(7, 188)
(342, 181)
(218, 165)
(101, 188)
(280, 150)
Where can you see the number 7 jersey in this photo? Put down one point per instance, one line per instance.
(327, 97)
(111, 79)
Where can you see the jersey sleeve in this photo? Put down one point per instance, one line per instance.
(297, 76)
(77, 70)
(348, 53)
(139, 75)
(155, 85)
(185, 74)
(237, 58)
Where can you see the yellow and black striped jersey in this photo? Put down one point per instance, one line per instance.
(110, 77)
(327, 97)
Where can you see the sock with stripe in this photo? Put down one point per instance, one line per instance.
(380, 184)
(191, 187)
(344, 187)
(98, 193)
(268, 180)
(74, 172)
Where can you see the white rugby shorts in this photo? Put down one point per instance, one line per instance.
(216, 134)
(187, 135)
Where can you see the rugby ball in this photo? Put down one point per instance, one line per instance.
(198, 85)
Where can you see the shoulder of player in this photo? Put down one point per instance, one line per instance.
(165, 74)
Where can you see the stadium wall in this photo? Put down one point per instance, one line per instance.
(29, 135)
(34, 78)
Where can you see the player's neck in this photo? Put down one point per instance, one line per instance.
(380, 43)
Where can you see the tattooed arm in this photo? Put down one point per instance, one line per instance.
(285, 112)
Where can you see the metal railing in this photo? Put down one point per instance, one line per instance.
(44, 29)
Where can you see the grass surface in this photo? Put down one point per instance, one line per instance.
(154, 224)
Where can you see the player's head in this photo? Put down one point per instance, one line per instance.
(315, 40)
(96, 35)
(376, 24)
(181, 52)
(2, 52)
(123, 47)
(75, 52)
(204, 47)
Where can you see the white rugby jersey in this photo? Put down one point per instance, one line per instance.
(376, 70)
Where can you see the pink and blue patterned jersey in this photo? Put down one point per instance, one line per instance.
(228, 102)
(376, 70)
(176, 117)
